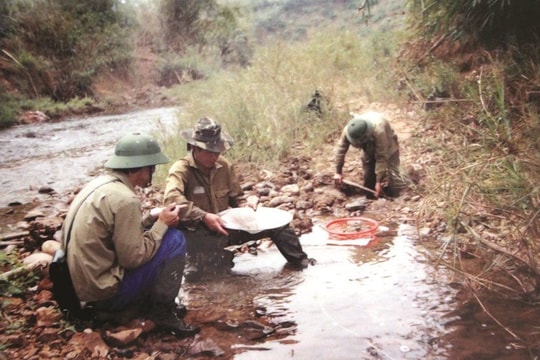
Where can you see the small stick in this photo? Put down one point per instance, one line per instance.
(440, 101)
(14, 235)
(7, 243)
(493, 318)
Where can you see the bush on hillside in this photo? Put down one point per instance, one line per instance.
(56, 47)
(485, 148)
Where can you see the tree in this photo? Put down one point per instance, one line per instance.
(184, 20)
(198, 22)
(58, 46)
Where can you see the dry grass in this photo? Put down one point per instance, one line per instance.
(262, 107)
(479, 149)
(482, 179)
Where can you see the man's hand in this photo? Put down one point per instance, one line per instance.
(379, 187)
(215, 223)
(169, 215)
(378, 190)
(338, 179)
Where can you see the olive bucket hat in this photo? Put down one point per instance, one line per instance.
(356, 130)
(207, 135)
(135, 151)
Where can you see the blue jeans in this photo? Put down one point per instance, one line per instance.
(138, 283)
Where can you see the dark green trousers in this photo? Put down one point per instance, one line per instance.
(205, 248)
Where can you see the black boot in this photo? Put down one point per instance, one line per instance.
(163, 309)
(193, 271)
(180, 311)
(166, 318)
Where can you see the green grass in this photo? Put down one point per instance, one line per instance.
(482, 175)
(262, 103)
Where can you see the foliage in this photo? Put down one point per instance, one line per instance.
(16, 286)
(484, 159)
(56, 47)
(293, 19)
(7, 112)
(483, 162)
(491, 23)
(260, 104)
(182, 20)
(201, 24)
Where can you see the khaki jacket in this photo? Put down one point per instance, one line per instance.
(186, 184)
(381, 143)
(107, 236)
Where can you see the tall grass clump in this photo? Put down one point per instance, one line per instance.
(482, 175)
(484, 156)
(263, 107)
(7, 112)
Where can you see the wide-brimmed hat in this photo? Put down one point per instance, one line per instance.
(207, 135)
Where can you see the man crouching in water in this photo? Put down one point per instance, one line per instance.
(118, 259)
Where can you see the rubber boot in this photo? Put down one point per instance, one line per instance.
(163, 309)
(193, 271)
(370, 177)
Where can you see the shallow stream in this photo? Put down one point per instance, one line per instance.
(63, 155)
(375, 302)
(383, 301)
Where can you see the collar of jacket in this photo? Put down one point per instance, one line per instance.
(122, 177)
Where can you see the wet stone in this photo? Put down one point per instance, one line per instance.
(360, 204)
(304, 204)
(44, 228)
(292, 189)
(34, 214)
(248, 186)
(45, 190)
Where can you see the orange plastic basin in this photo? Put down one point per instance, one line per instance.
(351, 228)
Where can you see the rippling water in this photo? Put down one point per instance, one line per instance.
(63, 155)
(355, 303)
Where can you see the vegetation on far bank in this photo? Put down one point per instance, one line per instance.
(483, 149)
(53, 53)
(477, 88)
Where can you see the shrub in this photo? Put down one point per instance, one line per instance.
(491, 23)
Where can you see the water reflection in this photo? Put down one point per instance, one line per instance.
(357, 303)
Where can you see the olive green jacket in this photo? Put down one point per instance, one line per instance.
(186, 184)
(108, 236)
(381, 143)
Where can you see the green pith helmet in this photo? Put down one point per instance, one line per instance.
(136, 151)
(356, 130)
